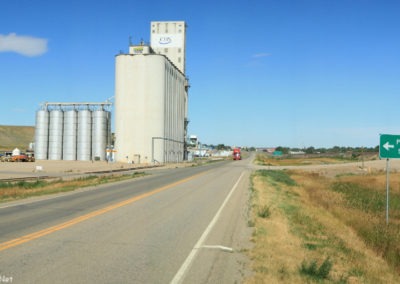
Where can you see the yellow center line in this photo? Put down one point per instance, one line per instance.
(77, 220)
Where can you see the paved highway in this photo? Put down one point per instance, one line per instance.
(186, 225)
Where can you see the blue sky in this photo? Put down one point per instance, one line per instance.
(262, 73)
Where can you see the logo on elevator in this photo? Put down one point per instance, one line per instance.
(165, 40)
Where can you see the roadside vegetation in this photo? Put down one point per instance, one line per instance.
(303, 160)
(23, 189)
(335, 151)
(310, 228)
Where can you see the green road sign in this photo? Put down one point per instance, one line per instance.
(389, 146)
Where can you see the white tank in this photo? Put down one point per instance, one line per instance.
(55, 135)
(41, 134)
(16, 152)
(99, 134)
(69, 139)
(84, 135)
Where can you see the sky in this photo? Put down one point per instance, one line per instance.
(263, 73)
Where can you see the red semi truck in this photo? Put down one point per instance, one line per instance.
(236, 154)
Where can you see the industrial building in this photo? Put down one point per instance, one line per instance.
(169, 38)
(72, 131)
(151, 108)
(151, 98)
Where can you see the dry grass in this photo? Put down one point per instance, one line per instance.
(20, 190)
(359, 260)
(362, 206)
(265, 160)
(16, 136)
(310, 222)
(276, 250)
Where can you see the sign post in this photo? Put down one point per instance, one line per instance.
(389, 148)
(387, 191)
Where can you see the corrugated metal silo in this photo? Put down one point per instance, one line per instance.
(109, 136)
(84, 135)
(41, 134)
(55, 134)
(69, 139)
(99, 134)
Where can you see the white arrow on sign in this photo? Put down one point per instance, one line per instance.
(387, 146)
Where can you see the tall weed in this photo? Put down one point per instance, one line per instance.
(360, 197)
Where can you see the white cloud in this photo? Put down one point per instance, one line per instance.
(24, 45)
(258, 55)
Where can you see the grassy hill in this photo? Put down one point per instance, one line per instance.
(16, 136)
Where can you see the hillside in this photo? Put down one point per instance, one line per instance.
(16, 136)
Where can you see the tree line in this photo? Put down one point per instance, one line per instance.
(309, 150)
(333, 150)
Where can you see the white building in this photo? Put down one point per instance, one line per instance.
(193, 141)
(151, 103)
(169, 38)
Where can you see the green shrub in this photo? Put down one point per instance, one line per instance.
(277, 176)
(264, 211)
(311, 269)
(24, 184)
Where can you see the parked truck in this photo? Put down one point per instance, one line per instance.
(19, 158)
(236, 154)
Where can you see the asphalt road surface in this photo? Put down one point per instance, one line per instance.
(186, 225)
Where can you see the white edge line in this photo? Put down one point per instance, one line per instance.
(223, 248)
(178, 278)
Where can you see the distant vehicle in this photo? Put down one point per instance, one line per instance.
(6, 157)
(237, 154)
(31, 157)
(19, 158)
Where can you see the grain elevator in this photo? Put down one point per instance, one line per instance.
(151, 98)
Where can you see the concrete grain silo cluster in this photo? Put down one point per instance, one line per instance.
(72, 131)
